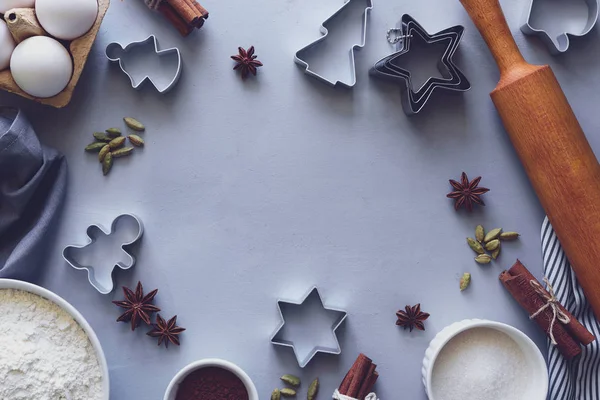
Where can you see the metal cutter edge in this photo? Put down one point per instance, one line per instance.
(123, 247)
(324, 31)
(315, 350)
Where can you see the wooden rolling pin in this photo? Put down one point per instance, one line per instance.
(551, 145)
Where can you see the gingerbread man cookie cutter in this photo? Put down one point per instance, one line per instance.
(92, 257)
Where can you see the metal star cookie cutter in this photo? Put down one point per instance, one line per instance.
(299, 57)
(83, 257)
(454, 79)
(561, 43)
(117, 53)
(279, 339)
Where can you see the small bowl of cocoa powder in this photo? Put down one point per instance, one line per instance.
(211, 379)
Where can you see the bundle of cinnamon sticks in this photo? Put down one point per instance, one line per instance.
(184, 15)
(569, 334)
(359, 381)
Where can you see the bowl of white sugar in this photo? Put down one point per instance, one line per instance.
(484, 360)
(48, 350)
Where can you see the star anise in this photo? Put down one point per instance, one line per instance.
(466, 193)
(166, 331)
(138, 306)
(246, 61)
(412, 318)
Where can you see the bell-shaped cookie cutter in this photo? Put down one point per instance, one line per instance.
(561, 43)
(278, 339)
(115, 52)
(107, 285)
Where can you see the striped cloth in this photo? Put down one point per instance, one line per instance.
(578, 379)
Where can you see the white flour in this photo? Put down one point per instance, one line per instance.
(480, 364)
(44, 351)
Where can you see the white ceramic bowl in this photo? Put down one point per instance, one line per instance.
(62, 303)
(210, 362)
(537, 365)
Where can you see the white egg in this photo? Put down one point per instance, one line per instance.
(6, 5)
(7, 45)
(66, 19)
(41, 66)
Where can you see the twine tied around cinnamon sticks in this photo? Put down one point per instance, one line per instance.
(153, 4)
(338, 396)
(552, 302)
(544, 309)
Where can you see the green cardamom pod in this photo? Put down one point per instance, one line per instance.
(125, 151)
(107, 164)
(102, 137)
(496, 252)
(287, 392)
(136, 140)
(134, 124)
(291, 380)
(479, 233)
(96, 146)
(117, 142)
(465, 281)
(493, 234)
(103, 152)
(492, 245)
(313, 390)
(475, 246)
(483, 259)
(113, 132)
(509, 236)
(276, 395)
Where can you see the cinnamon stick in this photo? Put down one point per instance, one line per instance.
(569, 337)
(203, 11)
(369, 388)
(363, 364)
(185, 10)
(359, 380)
(368, 383)
(345, 385)
(173, 17)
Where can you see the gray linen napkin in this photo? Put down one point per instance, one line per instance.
(33, 180)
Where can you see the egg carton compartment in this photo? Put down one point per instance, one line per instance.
(79, 50)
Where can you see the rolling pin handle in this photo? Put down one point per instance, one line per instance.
(491, 23)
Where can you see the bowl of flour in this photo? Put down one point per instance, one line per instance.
(48, 350)
(484, 360)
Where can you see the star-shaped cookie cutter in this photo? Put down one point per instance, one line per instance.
(300, 54)
(413, 101)
(279, 340)
(101, 278)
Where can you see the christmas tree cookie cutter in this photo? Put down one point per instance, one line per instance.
(561, 42)
(303, 314)
(163, 73)
(300, 56)
(106, 250)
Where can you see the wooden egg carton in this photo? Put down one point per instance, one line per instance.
(24, 24)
